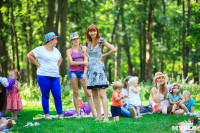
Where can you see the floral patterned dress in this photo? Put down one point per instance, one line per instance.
(96, 71)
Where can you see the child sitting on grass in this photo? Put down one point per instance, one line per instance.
(4, 124)
(176, 99)
(117, 100)
(189, 102)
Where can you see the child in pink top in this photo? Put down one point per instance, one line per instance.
(117, 100)
(14, 103)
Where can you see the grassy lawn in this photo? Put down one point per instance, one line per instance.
(149, 123)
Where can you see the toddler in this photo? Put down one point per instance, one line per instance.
(117, 100)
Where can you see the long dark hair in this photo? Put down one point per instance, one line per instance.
(126, 81)
(3, 99)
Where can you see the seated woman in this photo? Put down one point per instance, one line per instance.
(158, 95)
(4, 124)
(124, 108)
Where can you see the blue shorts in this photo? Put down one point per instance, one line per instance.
(115, 111)
(76, 74)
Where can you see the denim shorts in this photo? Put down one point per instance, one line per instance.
(76, 74)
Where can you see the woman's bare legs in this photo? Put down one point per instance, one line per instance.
(163, 109)
(104, 102)
(74, 83)
(89, 96)
(95, 94)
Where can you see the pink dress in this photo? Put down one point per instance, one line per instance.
(14, 100)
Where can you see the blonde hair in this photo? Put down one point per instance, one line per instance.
(17, 74)
(135, 78)
(186, 92)
(117, 84)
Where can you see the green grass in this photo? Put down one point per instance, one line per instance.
(149, 123)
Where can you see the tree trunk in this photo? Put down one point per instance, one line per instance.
(187, 45)
(50, 17)
(117, 56)
(143, 68)
(184, 75)
(12, 37)
(94, 12)
(62, 8)
(149, 43)
(125, 41)
(163, 34)
(3, 48)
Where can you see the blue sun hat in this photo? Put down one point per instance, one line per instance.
(73, 36)
(50, 36)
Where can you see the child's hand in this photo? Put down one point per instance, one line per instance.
(126, 96)
(15, 86)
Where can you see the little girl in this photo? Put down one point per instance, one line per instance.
(117, 100)
(4, 124)
(176, 99)
(134, 98)
(14, 103)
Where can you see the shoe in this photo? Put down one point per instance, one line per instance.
(131, 110)
(78, 117)
(106, 120)
(48, 118)
(61, 118)
(192, 114)
(188, 113)
(98, 119)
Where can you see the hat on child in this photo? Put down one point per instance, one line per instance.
(135, 78)
(172, 87)
(73, 36)
(50, 36)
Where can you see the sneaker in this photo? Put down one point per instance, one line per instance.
(98, 119)
(78, 117)
(61, 118)
(131, 110)
(48, 118)
(188, 113)
(192, 114)
(106, 120)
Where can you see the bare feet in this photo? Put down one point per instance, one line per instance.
(131, 110)
(8, 125)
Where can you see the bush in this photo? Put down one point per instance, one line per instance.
(31, 92)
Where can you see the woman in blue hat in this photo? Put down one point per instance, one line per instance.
(49, 61)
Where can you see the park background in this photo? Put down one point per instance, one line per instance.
(150, 35)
